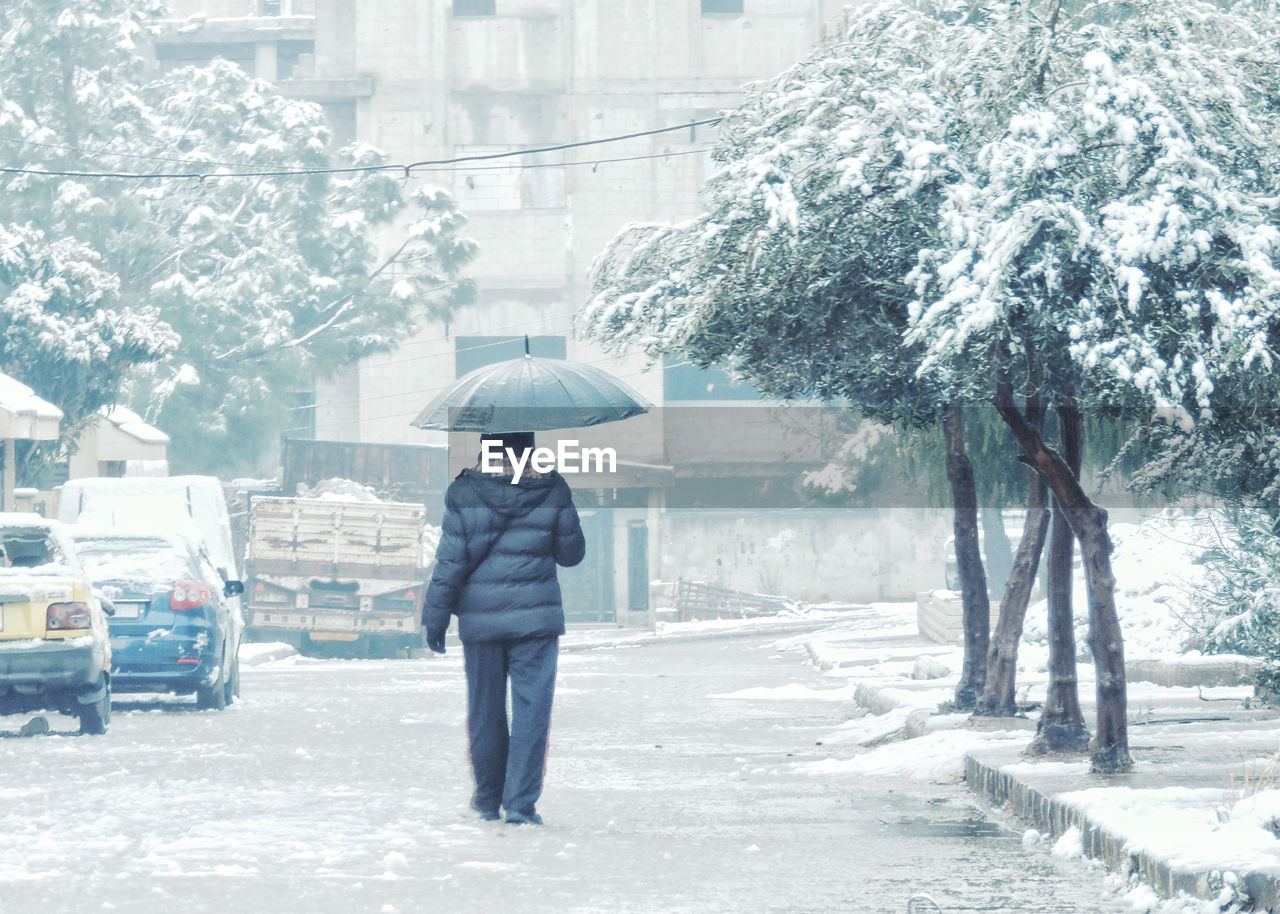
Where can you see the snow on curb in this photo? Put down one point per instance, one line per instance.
(933, 758)
(255, 653)
(1166, 848)
(1195, 670)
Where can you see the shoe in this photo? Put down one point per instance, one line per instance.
(488, 815)
(523, 818)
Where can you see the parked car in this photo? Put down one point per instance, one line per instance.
(161, 502)
(55, 654)
(174, 627)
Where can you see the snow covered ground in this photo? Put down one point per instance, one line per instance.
(677, 782)
(1225, 822)
(1212, 806)
(861, 693)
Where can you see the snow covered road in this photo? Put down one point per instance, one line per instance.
(680, 779)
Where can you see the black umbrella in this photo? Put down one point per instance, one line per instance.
(531, 394)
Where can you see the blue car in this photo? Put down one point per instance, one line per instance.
(174, 628)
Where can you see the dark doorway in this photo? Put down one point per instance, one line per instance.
(587, 589)
(637, 566)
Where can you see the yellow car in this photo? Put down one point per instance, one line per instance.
(55, 653)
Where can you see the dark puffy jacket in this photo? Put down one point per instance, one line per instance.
(513, 592)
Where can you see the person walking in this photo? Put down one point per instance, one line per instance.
(504, 533)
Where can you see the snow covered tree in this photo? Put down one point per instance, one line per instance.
(275, 280)
(61, 322)
(1071, 205)
(64, 327)
(809, 318)
(258, 281)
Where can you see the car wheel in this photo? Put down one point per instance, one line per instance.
(95, 718)
(232, 688)
(213, 697)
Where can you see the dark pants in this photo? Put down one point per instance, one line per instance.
(509, 765)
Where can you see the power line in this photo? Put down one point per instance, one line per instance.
(486, 331)
(592, 162)
(428, 392)
(428, 169)
(406, 170)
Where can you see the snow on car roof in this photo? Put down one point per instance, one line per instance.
(26, 519)
(127, 533)
(181, 502)
(139, 558)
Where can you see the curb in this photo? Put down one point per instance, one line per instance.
(1225, 670)
(1049, 814)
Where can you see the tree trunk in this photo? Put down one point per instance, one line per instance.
(1061, 727)
(998, 696)
(1110, 747)
(976, 613)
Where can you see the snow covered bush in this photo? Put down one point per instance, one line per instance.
(1239, 608)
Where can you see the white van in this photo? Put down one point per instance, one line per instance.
(159, 503)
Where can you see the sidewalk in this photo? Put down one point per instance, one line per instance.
(1200, 813)
(810, 619)
(609, 637)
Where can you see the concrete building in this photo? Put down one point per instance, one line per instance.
(24, 417)
(458, 79)
(119, 443)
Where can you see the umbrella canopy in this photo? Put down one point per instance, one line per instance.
(531, 394)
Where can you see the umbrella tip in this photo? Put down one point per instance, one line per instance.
(526, 344)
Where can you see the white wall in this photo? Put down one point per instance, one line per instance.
(816, 555)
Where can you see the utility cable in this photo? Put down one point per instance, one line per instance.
(426, 168)
(406, 170)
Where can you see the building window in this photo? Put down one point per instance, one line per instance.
(721, 6)
(472, 352)
(342, 123)
(542, 181)
(475, 7)
(274, 7)
(487, 184)
(534, 181)
(112, 468)
(302, 415)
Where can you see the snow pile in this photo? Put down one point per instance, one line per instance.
(792, 690)
(338, 489)
(1191, 828)
(936, 758)
(1261, 810)
(430, 541)
(1070, 844)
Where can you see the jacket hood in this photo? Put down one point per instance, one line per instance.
(506, 498)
